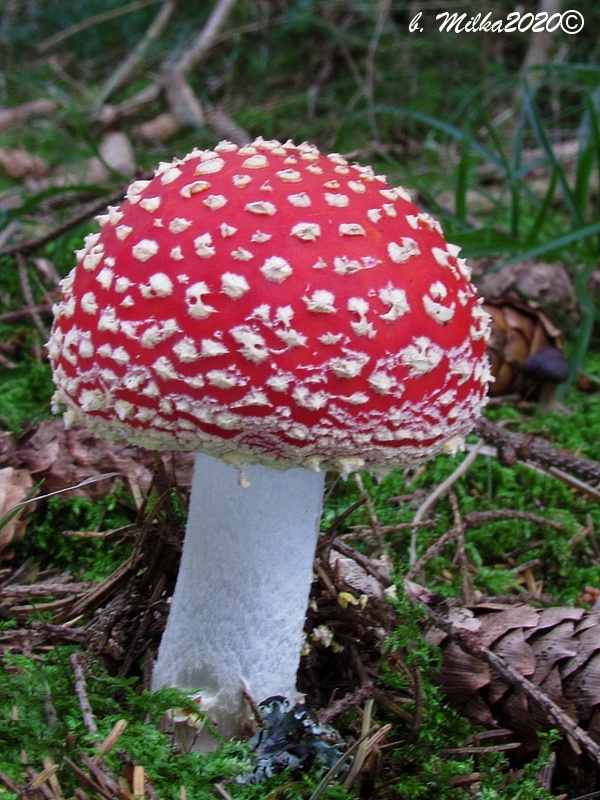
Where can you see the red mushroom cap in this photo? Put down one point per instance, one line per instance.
(272, 304)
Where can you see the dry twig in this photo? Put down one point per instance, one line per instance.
(514, 446)
(375, 524)
(350, 700)
(438, 492)
(183, 101)
(127, 68)
(431, 552)
(111, 740)
(475, 518)
(10, 784)
(77, 662)
(205, 39)
(28, 295)
(109, 114)
(222, 791)
(460, 556)
(26, 246)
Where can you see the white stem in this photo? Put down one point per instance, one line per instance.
(240, 601)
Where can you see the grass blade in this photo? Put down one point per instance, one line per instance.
(545, 145)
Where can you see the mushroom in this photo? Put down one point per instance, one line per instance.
(547, 365)
(282, 313)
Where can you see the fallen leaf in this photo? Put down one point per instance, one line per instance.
(116, 153)
(15, 486)
(353, 575)
(41, 107)
(64, 458)
(158, 129)
(21, 165)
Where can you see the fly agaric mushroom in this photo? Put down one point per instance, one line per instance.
(282, 313)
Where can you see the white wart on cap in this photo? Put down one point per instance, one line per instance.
(272, 304)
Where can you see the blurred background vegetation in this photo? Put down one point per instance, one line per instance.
(497, 133)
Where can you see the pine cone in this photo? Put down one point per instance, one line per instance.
(525, 349)
(557, 649)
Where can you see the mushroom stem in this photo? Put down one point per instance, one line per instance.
(238, 609)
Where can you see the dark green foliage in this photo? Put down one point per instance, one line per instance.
(25, 393)
(86, 558)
